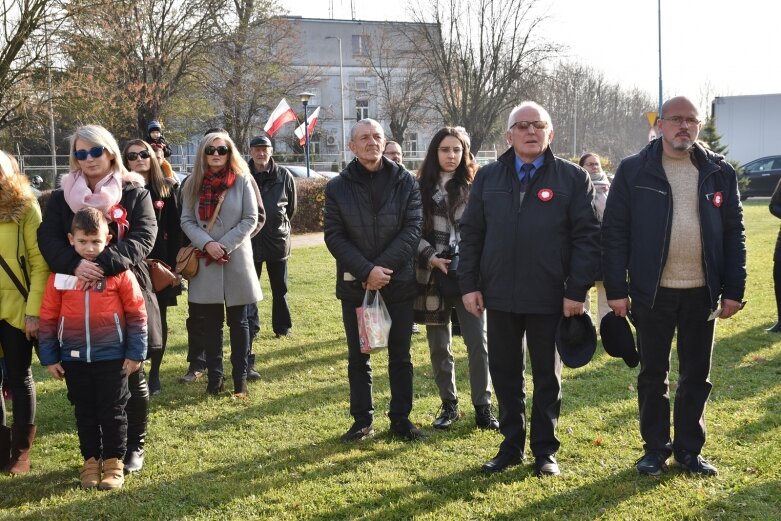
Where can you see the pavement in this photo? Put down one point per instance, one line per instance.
(305, 240)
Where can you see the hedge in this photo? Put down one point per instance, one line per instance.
(311, 201)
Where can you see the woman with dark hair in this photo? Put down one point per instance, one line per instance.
(139, 157)
(445, 177)
(99, 179)
(22, 280)
(219, 212)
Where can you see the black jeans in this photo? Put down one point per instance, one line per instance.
(359, 369)
(280, 311)
(204, 334)
(687, 311)
(99, 394)
(506, 361)
(18, 352)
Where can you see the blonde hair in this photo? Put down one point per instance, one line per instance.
(235, 162)
(8, 165)
(97, 136)
(155, 177)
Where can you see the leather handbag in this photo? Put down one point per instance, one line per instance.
(187, 257)
(161, 275)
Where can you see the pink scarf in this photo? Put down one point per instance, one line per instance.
(107, 193)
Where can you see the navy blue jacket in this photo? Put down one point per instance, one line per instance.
(638, 222)
(527, 256)
(361, 238)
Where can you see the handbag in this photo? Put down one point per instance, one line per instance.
(161, 275)
(187, 257)
(448, 283)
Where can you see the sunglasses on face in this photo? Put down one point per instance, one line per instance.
(132, 156)
(95, 152)
(221, 150)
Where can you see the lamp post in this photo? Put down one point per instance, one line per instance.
(52, 139)
(305, 97)
(341, 96)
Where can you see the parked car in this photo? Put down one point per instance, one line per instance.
(763, 175)
(300, 171)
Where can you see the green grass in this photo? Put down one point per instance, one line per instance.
(278, 455)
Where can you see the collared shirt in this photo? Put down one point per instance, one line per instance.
(538, 162)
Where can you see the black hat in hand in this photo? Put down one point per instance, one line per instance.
(576, 340)
(618, 340)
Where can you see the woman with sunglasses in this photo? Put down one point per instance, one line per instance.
(22, 279)
(141, 159)
(99, 179)
(226, 282)
(445, 178)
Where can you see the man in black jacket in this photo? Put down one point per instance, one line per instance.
(529, 253)
(673, 242)
(372, 224)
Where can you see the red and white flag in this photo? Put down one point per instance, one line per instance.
(281, 115)
(312, 121)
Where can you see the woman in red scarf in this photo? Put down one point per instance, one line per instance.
(226, 280)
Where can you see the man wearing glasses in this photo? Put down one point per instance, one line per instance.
(674, 252)
(529, 254)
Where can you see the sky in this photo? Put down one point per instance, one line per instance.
(709, 47)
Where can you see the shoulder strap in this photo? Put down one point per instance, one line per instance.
(213, 218)
(13, 277)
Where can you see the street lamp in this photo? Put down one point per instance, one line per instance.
(305, 97)
(341, 95)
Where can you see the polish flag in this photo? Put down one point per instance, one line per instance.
(312, 121)
(281, 115)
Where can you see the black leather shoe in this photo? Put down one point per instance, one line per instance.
(253, 375)
(192, 376)
(485, 419)
(693, 463)
(215, 387)
(545, 465)
(134, 460)
(407, 430)
(280, 334)
(653, 463)
(448, 413)
(501, 461)
(358, 432)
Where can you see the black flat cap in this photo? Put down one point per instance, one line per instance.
(576, 340)
(260, 141)
(618, 340)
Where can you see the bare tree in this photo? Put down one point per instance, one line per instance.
(404, 92)
(483, 50)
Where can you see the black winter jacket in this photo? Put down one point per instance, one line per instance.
(638, 222)
(129, 253)
(278, 191)
(360, 238)
(775, 209)
(526, 257)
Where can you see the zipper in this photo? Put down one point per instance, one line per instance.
(702, 238)
(666, 236)
(119, 329)
(652, 189)
(86, 325)
(60, 330)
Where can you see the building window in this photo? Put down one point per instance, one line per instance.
(314, 146)
(361, 109)
(360, 45)
(361, 84)
(412, 141)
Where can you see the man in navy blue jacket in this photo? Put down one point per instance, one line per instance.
(673, 250)
(529, 253)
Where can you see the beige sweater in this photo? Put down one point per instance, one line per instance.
(683, 268)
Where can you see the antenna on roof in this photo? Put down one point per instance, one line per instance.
(352, 8)
(331, 9)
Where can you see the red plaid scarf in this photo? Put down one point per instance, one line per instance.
(214, 183)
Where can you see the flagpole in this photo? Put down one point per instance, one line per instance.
(305, 96)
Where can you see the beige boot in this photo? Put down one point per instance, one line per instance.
(90, 473)
(22, 437)
(113, 475)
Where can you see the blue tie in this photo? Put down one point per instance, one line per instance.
(525, 173)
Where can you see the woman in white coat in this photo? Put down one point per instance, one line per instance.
(226, 281)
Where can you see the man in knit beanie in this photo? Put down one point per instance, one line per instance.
(673, 251)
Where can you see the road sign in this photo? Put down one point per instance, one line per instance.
(651, 117)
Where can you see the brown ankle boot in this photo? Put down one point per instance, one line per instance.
(22, 437)
(113, 475)
(5, 447)
(90, 473)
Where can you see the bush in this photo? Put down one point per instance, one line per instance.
(311, 200)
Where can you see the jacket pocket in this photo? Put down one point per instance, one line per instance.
(661, 192)
(119, 327)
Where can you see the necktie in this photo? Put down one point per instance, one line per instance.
(525, 173)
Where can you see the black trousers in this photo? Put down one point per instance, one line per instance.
(359, 369)
(687, 311)
(99, 394)
(19, 378)
(280, 311)
(204, 334)
(777, 286)
(506, 361)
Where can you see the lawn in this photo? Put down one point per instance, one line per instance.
(278, 454)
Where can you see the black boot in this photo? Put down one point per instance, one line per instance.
(215, 385)
(156, 358)
(485, 419)
(252, 374)
(137, 416)
(5, 447)
(448, 413)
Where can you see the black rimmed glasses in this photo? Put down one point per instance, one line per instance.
(524, 125)
(94, 152)
(678, 120)
(132, 156)
(221, 150)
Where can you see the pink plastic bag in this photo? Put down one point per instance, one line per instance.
(374, 322)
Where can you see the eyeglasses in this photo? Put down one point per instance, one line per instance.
(677, 120)
(221, 150)
(524, 125)
(82, 154)
(132, 156)
(447, 150)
